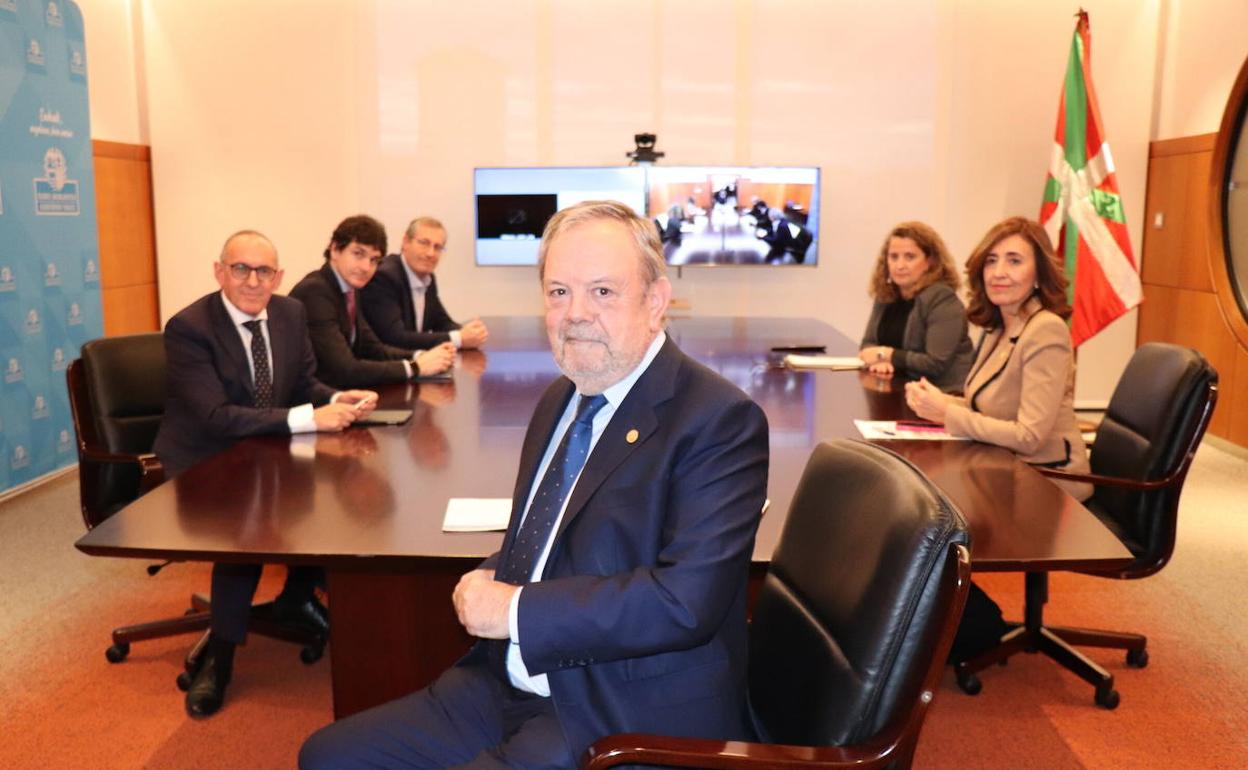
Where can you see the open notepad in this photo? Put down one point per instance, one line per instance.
(835, 363)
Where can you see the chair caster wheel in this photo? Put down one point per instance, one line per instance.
(184, 681)
(1137, 658)
(311, 654)
(117, 653)
(969, 683)
(1107, 697)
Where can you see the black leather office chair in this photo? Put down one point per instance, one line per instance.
(1153, 425)
(117, 398)
(851, 627)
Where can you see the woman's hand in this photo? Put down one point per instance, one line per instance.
(927, 401)
(876, 354)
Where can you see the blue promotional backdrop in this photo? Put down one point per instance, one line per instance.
(49, 250)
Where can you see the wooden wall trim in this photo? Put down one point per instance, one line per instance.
(120, 151)
(1182, 146)
(1218, 270)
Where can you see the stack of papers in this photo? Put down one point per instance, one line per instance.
(835, 363)
(887, 429)
(477, 514)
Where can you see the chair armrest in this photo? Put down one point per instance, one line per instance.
(1113, 481)
(151, 471)
(634, 748)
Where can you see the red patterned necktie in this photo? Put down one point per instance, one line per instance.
(351, 311)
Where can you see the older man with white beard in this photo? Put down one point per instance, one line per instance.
(617, 600)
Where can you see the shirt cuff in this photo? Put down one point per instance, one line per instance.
(513, 613)
(300, 419)
(457, 339)
(408, 367)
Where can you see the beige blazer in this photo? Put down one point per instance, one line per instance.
(1020, 395)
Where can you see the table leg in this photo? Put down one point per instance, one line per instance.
(392, 632)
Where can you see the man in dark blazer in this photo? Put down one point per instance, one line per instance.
(348, 352)
(617, 601)
(401, 302)
(239, 364)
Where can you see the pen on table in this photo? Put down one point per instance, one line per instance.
(362, 403)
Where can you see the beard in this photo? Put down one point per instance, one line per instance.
(585, 356)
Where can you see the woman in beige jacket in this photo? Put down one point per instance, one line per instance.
(1020, 390)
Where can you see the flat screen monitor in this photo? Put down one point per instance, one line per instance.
(704, 215)
(514, 204)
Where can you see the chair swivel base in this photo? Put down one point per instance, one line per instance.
(198, 618)
(1055, 642)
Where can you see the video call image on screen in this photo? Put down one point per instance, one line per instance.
(704, 215)
(736, 216)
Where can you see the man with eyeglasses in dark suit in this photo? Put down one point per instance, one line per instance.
(348, 352)
(239, 364)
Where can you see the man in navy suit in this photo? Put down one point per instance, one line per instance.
(239, 363)
(348, 352)
(401, 302)
(617, 602)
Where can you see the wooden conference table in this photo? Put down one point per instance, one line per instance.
(368, 503)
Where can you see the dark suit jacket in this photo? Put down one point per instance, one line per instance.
(368, 361)
(210, 393)
(640, 618)
(387, 302)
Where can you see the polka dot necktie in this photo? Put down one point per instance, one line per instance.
(561, 474)
(260, 360)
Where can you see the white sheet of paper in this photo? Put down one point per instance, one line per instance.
(887, 429)
(476, 514)
(835, 363)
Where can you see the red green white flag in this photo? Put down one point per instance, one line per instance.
(1082, 210)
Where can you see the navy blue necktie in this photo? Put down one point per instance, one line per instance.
(260, 360)
(561, 474)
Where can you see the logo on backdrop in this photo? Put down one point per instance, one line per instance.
(59, 364)
(19, 459)
(33, 326)
(13, 372)
(77, 61)
(53, 16)
(51, 276)
(55, 193)
(40, 410)
(91, 273)
(7, 281)
(8, 5)
(74, 318)
(63, 442)
(34, 54)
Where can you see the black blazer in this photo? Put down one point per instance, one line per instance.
(387, 302)
(210, 393)
(368, 361)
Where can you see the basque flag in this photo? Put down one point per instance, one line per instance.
(1082, 210)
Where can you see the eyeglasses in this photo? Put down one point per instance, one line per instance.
(242, 273)
(426, 243)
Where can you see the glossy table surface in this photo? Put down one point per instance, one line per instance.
(378, 495)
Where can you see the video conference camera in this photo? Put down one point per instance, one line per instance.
(645, 153)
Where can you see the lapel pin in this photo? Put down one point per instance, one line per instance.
(631, 436)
